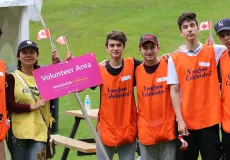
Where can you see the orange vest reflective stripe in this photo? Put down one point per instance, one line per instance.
(225, 91)
(199, 87)
(156, 118)
(3, 115)
(117, 114)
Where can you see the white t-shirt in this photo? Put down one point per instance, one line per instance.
(172, 74)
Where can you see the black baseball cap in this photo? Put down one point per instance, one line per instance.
(27, 43)
(148, 38)
(223, 24)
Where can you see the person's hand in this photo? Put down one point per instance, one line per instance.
(182, 128)
(37, 105)
(166, 56)
(68, 56)
(55, 57)
(103, 63)
(210, 41)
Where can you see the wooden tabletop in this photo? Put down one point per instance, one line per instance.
(77, 113)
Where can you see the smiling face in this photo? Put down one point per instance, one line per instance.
(224, 37)
(149, 51)
(189, 30)
(115, 48)
(28, 56)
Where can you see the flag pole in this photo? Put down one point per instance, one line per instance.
(210, 29)
(45, 27)
(66, 44)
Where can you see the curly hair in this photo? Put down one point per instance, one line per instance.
(188, 16)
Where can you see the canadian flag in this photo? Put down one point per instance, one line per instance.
(61, 40)
(45, 33)
(205, 25)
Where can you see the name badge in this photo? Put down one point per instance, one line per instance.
(1, 74)
(161, 79)
(204, 64)
(125, 78)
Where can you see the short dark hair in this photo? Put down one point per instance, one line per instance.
(188, 16)
(0, 31)
(116, 35)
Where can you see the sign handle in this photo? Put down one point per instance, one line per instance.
(91, 127)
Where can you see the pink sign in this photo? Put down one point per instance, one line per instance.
(68, 76)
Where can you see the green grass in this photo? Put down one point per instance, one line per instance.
(85, 23)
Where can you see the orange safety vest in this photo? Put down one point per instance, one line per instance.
(225, 91)
(117, 113)
(201, 107)
(156, 118)
(4, 127)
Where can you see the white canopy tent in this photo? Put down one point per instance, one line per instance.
(14, 21)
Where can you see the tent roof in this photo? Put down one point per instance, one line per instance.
(8, 3)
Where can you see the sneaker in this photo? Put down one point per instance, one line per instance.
(184, 144)
(138, 158)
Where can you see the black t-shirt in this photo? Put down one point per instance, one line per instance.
(151, 69)
(117, 71)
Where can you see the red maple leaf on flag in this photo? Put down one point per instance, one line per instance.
(61, 40)
(204, 26)
(45, 33)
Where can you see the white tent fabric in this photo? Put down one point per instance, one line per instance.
(8, 3)
(14, 21)
(33, 14)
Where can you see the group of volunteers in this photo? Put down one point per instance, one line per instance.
(180, 95)
(185, 94)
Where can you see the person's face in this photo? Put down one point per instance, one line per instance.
(28, 56)
(224, 37)
(115, 48)
(149, 51)
(189, 30)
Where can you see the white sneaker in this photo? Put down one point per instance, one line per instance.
(138, 158)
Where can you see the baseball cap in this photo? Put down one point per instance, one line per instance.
(223, 24)
(27, 43)
(148, 38)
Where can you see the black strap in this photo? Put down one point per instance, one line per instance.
(219, 73)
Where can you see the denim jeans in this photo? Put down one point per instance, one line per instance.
(25, 149)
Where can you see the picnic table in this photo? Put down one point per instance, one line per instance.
(83, 146)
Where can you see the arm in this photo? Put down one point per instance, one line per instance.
(219, 50)
(136, 64)
(176, 102)
(12, 106)
(172, 80)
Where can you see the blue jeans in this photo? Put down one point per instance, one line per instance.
(26, 149)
